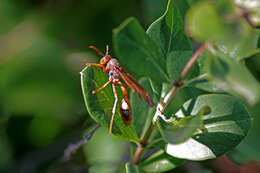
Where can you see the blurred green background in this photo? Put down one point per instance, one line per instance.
(43, 47)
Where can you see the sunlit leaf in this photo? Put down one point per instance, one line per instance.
(223, 128)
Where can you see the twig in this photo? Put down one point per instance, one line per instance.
(72, 148)
(163, 104)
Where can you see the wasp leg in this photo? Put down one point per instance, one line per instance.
(102, 87)
(125, 107)
(123, 88)
(97, 65)
(114, 108)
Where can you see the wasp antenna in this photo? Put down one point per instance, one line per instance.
(94, 48)
(107, 49)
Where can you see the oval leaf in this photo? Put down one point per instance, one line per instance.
(223, 128)
(100, 105)
(144, 57)
(168, 33)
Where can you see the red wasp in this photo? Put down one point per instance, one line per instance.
(115, 72)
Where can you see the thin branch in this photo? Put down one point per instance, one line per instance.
(72, 148)
(162, 105)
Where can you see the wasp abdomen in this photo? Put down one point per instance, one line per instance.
(126, 111)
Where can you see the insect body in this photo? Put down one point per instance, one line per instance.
(115, 73)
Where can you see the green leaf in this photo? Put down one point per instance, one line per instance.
(244, 48)
(223, 128)
(103, 151)
(182, 95)
(168, 33)
(160, 162)
(248, 150)
(217, 22)
(179, 130)
(234, 78)
(138, 53)
(100, 105)
(130, 168)
(168, 30)
(203, 22)
(142, 113)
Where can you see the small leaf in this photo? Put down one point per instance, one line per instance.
(138, 53)
(234, 78)
(182, 95)
(160, 162)
(179, 130)
(130, 168)
(223, 128)
(168, 33)
(100, 105)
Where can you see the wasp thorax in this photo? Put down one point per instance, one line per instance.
(112, 63)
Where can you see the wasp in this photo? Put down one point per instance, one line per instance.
(115, 73)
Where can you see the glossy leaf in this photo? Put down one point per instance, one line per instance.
(100, 105)
(223, 128)
(160, 162)
(234, 78)
(130, 168)
(248, 150)
(168, 33)
(136, 50)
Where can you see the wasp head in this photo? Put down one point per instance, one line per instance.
(105, 59)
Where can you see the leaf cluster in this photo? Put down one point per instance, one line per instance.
(207, 116)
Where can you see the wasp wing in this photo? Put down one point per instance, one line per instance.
(134, 85)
